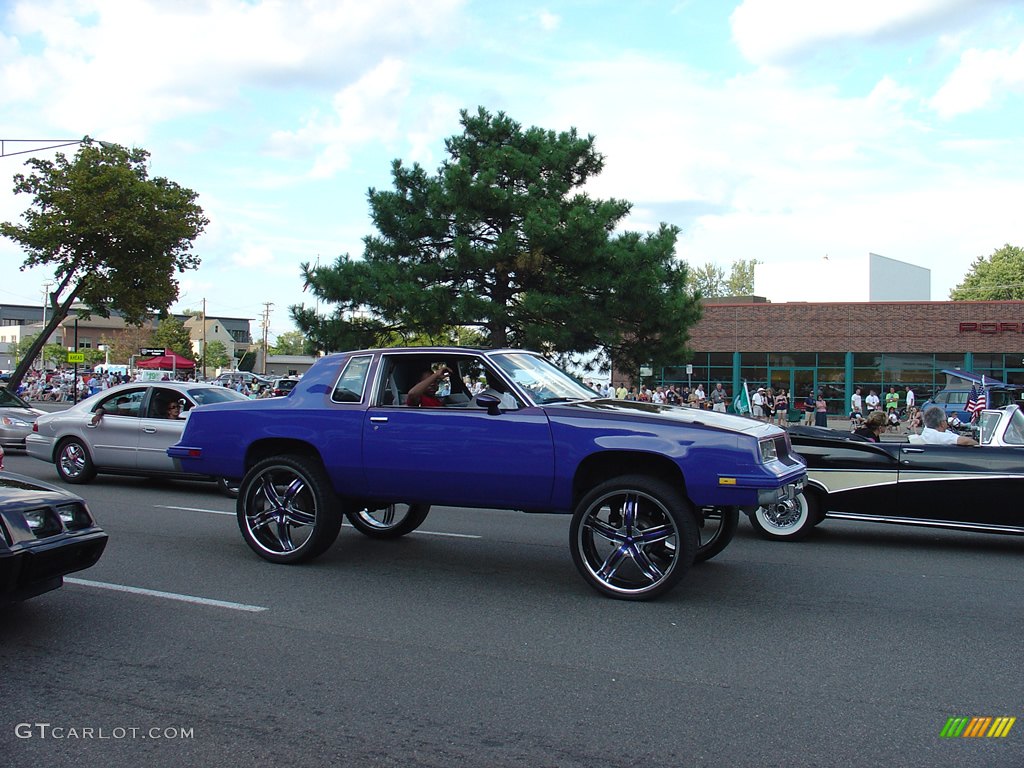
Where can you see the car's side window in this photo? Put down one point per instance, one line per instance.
(349, 388)
(123, 403)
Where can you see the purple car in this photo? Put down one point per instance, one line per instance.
(651, 488)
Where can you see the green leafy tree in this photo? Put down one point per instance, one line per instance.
(999, 276)
(291, 343)
(741, 278)
(172, 334)
(114, 237)
(128, 343)
(216, 355)
(708, 280)
(55, 355)
(503, 240)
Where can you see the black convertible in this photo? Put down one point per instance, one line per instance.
(907, 483)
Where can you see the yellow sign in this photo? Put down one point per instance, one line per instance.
(76, 357)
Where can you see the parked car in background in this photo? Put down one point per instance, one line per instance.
(232, 378)
(16, 419)
(651, 488)
(283, 385)
(971, 488)
(123, 430)
(45, 534)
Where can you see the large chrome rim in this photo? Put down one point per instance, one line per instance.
(73, 460)
(628, 541)
(383, 518)
(280, 510)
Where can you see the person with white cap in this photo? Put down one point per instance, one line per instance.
(757, 404)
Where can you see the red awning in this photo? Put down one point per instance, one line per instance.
(168, 361)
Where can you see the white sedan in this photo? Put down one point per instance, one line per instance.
(123, 430)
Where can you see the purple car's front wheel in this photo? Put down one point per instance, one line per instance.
(287, 510)
(633, 537)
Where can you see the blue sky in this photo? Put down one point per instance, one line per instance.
(781, 130)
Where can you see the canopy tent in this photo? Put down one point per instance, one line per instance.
(168, 361)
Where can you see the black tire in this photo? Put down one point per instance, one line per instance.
(716, 531)
(287, 510)
(228, 487)
(389, 521)
(633, 537)
(779, 524)
(73, 462)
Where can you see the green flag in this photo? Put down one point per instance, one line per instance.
(741, 403)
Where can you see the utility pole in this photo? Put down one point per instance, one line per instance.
(204, 340)
(266, 327)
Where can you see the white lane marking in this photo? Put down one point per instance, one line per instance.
(195, 509)
(232, 514)
(167, 595)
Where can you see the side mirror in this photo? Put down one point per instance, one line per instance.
(490, 402)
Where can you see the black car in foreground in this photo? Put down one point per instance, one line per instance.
(971, 488)
(45, 533)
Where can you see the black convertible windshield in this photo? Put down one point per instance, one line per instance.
(544, 382)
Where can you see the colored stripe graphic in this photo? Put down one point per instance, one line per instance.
(977, 727)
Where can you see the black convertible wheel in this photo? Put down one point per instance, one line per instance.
(779, 522)
(287, 510)
(74, 465)
(633, 537)
(389, 521)
(716, 530)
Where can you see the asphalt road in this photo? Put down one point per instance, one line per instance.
(474, 642)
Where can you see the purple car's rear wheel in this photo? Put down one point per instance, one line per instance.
(287, 510)
(387, 521)
(633, 537)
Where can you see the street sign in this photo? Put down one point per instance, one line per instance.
(76, 357)
(151, 351)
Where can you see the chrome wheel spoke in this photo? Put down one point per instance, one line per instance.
(646, 565)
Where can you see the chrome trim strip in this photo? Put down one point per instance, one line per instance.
(982, 527)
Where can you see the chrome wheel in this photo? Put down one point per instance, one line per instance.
(786, 522)
(633, 538)
(74, 464)
(286, 509)
(388, 521)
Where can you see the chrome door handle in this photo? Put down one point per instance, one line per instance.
(149, 430)
(378, 419)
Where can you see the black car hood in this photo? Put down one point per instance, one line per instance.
(18, 489)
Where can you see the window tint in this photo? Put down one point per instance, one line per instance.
(349, 388)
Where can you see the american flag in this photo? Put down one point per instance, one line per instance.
(977, 401)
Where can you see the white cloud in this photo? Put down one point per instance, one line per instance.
(133, 65)
(773, 32)
(977, 79)
(549, 22)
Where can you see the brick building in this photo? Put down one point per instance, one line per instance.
(838, 346)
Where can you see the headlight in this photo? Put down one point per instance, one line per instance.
(42, 522)
(768, 451)
(74, 516)
(10, 421)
